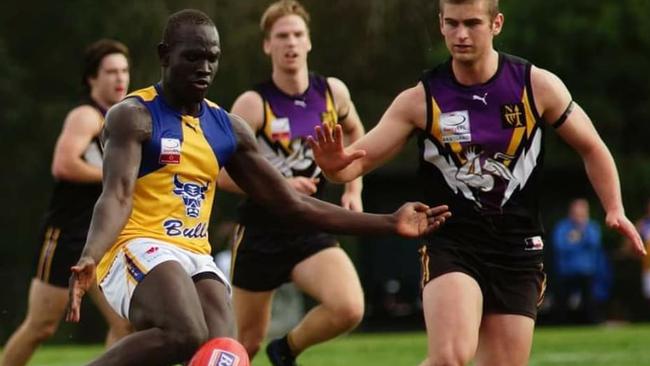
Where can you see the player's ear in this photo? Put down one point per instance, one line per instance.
(497, 24)
(163, 53)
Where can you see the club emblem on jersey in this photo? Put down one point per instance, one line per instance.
(192, 194)
(512, 115)
(170, 151)
(480, 173)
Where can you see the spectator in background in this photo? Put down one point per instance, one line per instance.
(643, 225)
(578, 251)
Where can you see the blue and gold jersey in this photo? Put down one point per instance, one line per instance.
(174, 192)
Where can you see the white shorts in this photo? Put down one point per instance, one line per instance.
(139, 256)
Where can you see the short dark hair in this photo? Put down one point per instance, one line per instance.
(94, 55)
(176, 20)
(493, 5)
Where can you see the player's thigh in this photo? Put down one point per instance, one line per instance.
(505, 340)
(166, 298)
(217, 309)
(46, 303)
(453, 305)
(329, 277)
(112, 318)
(252, 312)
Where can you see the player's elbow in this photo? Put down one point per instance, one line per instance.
(62, 170)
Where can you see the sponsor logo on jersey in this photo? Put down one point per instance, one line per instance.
(280, 129)
(454, 127)
(170, 151)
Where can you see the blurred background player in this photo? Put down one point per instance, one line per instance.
(282, 112)
(577, 251)
(480, 118)
(77, 169)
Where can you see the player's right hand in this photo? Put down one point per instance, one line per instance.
(328, 149)
(304, 185)
(82, 278)
(415, 219)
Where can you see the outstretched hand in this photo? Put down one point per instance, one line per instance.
(82, 278)
(622, 224)
(415, 219)
(328, 149)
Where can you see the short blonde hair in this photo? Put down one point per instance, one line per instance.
(279, 9)
(493, 5)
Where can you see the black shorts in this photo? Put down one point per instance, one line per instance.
(57, 251)
(263, 260)
(507, 289)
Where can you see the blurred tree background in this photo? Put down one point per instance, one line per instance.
(600, 49)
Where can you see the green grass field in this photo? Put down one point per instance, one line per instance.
(589, 346)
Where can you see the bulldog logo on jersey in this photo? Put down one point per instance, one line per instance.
(192, 194)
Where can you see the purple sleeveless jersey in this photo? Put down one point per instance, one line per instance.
(481, 154)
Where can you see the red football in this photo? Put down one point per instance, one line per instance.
(220, 352)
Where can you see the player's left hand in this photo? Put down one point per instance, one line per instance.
(352, 201)
(82, 278)
(622, 224)
(415, 219)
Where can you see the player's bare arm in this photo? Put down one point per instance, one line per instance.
(128, 124)
(265, 185)
(572, 124)
(352, 131)
(385, 140)
(81, 125)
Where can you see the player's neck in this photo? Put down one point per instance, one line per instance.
(94, 95)
(477, 72)
(291, 83)
(177, 102)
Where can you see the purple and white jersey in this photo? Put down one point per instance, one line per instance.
(482, 150)
(288, 120)
(282, 139)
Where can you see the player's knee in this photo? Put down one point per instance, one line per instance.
(451, 355)
(251, 340)
(348, 314)
(42, 330)
(185, 342)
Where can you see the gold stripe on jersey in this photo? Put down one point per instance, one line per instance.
(518, 133)
(147, 94)
(331, 118)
